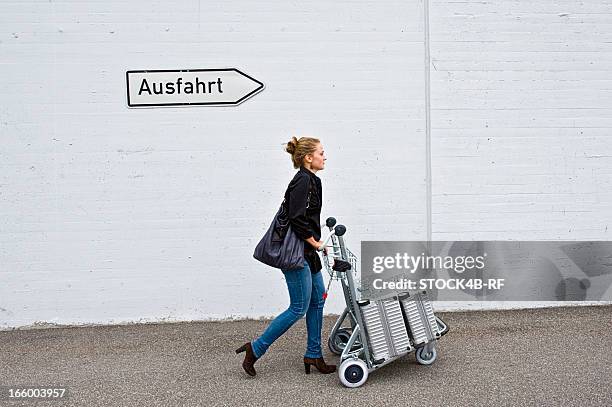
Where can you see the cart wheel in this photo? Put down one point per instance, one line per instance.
(337, 343)
(426, 358)
(353, 372)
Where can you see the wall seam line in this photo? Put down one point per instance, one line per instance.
(428, 181)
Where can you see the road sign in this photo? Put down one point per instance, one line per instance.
(189, 87)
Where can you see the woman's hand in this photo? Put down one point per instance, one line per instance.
(321, 247)
(311, 241)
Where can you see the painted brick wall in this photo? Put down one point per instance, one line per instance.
(521, 120)
(111, 214)
(521, 108)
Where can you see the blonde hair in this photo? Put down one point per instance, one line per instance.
(300, 149)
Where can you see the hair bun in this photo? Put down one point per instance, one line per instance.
(292, 145)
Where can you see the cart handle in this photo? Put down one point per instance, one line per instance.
(339, 230)
(330, 222)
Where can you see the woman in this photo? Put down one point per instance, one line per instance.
(303, 198)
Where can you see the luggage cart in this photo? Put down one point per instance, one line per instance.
(379, 331)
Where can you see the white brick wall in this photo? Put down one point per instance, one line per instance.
(110, 214)
(522, 118)
(521, 109)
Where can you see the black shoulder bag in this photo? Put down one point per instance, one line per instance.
(280, 247)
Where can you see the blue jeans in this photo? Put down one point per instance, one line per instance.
(306, 295)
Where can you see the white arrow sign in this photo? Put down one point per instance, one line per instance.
(190, 87)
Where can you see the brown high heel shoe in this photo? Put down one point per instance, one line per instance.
(320, 364)
(249, 358)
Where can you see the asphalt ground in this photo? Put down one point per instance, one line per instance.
(540, 357)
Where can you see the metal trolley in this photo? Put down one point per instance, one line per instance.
(379, 331)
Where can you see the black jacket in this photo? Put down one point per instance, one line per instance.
(304, 197)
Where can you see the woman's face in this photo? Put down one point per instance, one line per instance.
(317, 159)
